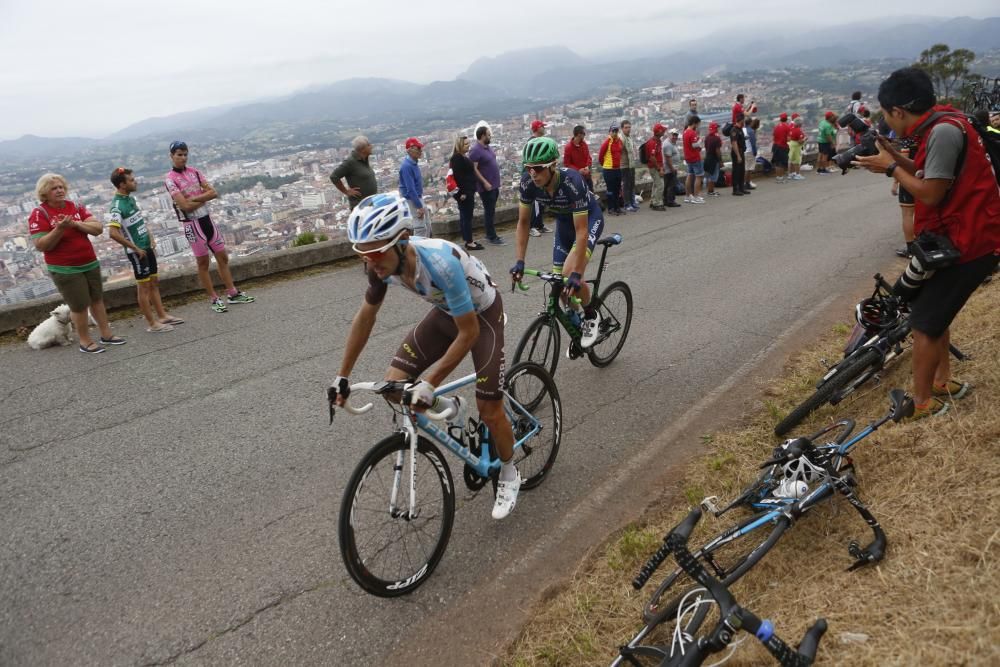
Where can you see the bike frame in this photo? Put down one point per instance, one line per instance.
(418, 421)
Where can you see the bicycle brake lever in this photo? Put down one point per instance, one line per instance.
(331, 413)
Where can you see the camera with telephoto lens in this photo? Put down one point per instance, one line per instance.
(868, 143)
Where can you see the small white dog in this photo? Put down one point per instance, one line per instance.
(55, 330)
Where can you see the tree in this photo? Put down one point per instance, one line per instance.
(945, 67)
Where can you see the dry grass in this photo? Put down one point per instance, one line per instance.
(934, 600)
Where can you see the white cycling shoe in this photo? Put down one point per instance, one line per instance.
(506, 497)
(589, 328)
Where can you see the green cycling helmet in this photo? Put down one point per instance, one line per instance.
(540, 150)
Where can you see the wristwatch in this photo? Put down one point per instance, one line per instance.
(891, 168)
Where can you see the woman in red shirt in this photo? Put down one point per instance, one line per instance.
(59, 229)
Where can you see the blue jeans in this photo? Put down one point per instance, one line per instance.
(489, 199)
(613, 181)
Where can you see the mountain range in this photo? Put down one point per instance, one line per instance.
(520, 80)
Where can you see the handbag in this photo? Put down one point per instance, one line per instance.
(935, 251)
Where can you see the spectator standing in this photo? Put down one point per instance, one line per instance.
(854, 106)
(654, 162)
(713, 158)
(692, 159)
(59, 229)
(796, 140)
(191, 193)
(630, 158)
(671, 158)
(576, 155)
(127, 227)
(737, 107)
(537, 225)
(779, 148)
(411, 187)
(825, 141)
(738, 153)
(361, 181)
(994, 125)
(484, 163)
(610, 157)
(750, 127)
(691, 112)
(956, 194)
(465, 176)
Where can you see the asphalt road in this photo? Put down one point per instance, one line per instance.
(175, 499)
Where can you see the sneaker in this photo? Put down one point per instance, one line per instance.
(496, 241)
(590, 327)
(534, 232)
(746, 192)
(114, 340)
(903, 252)
(934, 408)
(687, 200)
(545, 229)
(240, 297)
(93, 349)
(779, 179)
(218, 305)
(697, 200)
(751, 186)
(506, 497)
(713, 193)
(952, 388)
(474, 245)
(657, 207)
(632, 209)
(737, 194)
(673, 204)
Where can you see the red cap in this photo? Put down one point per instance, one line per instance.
(413, 142)
(713, 126)
(794, 116)
(659, 128)
(830, 114)
(783, 117)
(536, 125)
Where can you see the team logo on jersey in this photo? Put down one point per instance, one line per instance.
(482, 380)
(409, 350)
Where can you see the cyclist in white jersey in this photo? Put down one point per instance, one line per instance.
(467, 317)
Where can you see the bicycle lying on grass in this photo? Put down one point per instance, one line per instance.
(391, 538)
(712, 595)
(880, 335)
(540, 342)
(800, 475)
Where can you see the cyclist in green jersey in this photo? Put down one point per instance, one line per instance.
(128, 228)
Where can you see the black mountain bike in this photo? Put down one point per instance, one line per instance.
(540, 342)
(880, 335)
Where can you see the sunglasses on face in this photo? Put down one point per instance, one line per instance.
(538, 168)
(374, 254)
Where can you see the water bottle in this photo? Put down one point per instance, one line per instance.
(791, 488)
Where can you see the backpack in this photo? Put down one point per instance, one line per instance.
(991, 140)
(643, 154)
(727, 129)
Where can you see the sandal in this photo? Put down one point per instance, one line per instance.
(160, 328)
(93, 349)
(172, 320)
(114, 340)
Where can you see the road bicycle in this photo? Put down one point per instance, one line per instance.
(800, 475)
(881, 334)
(540, 342)
(391, 537)
(686, 647)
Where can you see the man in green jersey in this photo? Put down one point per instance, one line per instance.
(128, 228)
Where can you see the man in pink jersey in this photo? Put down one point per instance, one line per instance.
(191, 192)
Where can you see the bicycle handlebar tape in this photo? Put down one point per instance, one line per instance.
(810, 642)
(651, 565)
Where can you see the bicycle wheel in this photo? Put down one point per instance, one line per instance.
(531, 394)
(616, 317)
(847, 370)
(389, 553)
(728, 557)
(540, 344)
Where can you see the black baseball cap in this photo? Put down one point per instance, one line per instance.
(177, 146)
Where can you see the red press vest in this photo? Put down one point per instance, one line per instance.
(969, 215)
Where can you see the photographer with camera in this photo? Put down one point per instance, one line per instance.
(957, 203)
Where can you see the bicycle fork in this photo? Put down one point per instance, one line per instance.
(397, 476)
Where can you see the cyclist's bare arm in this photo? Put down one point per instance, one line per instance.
(361, 329)
(577, 259)
(468, 333)
(187, 205)
(523, 223)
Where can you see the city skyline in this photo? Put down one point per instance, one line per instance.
(120, 64)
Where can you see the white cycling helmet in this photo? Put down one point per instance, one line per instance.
(381, 217)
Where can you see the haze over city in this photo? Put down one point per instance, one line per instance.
(115, 64)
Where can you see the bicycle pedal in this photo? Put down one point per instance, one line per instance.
(709, 505)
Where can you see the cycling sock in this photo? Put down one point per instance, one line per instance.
(589, 311)
(508, 471)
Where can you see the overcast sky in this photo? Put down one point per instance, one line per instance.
(91, 67)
